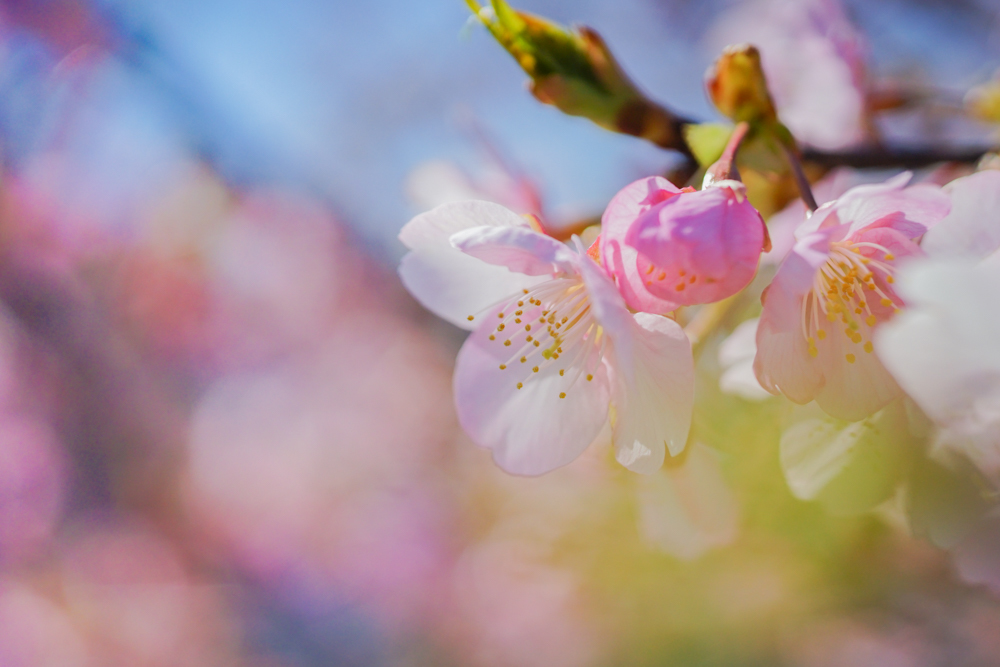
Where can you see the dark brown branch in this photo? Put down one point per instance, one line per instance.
(907, 158)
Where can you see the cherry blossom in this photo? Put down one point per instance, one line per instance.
(668, 247)
(555, 353)
(834, 289)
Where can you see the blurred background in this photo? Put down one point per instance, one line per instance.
(227, 434)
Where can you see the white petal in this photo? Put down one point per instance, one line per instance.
(520, 250)
(736, 355)
(453, 285)
(436, 226)
(686, 510)
(530, 430)
(972, 228)
(653, 391)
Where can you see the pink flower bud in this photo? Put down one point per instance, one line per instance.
(698, 247)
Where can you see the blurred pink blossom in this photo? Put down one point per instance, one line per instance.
(513, 394)
(814, 60)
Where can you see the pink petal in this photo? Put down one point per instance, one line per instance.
(530, 430)
(453, 285)
(520, 250)
(698, 247)
(972, 228)
(652, 391)
(436, 226)
(783, 363)
(620, 259)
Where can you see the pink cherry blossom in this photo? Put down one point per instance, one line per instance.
(835, 287)
(699, 246)
(554, 346)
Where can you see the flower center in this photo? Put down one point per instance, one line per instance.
(551, 324)
(853, 286)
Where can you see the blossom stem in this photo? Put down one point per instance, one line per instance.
(805, 190)
(724, 168)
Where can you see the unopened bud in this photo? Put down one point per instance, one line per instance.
(737, 86)
(573, 70)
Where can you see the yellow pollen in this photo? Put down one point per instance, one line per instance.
(535, 343)
(890, 279)
(589, 377)
(492, 337)
(501, 327)
(831, 316)
(680, 287)
(500, 315)
(519, 313)
(562, 394)
(527, 327)
(555, 355)
(470, 317)
(503, 367)
(562, 372)
(870, 320)
(520, 304)
(850, 358)
(890, 257)
(529, 339)
(821, 334)
(858, 311)
(650, 269)
(535, 369)
(886, 302)
(524, 359)
(525, 291)
(506, 343)
(517, 320)
(869, 347)
(519, 385)
(663, 275)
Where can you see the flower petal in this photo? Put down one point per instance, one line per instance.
(688, 509)
(652, 391)
(783, 364)
(620, 259)
(972, 228)
(530, 430)
(453, 285)
(436, 226)
(519, 249)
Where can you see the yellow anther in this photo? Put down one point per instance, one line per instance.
(492, 337)
(850, 358)
(890, 256)
(831, 316)
(680, 287)
(870, 320)
(470, 318)
(500, 315)
(869, 347)
(886, 302)
(519, 312)
(535, 369)
(858, 311)
(692, 279)
(529, 339)
(503, 367)
(527, 327)
(535, 343)
(501, 327)
(517, 320)
(519, 305)
(525, 291)
(562, 394)
(820, 334)
(890, 279)
(562, 372)
(519, 385)
(524, 359)
(506, 343)
(650, 269)
(663, 274)
(589, 377)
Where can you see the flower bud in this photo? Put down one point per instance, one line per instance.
(699, 247)
(738, 88)
(574, 71)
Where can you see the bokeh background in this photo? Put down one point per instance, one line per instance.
(227, 434)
